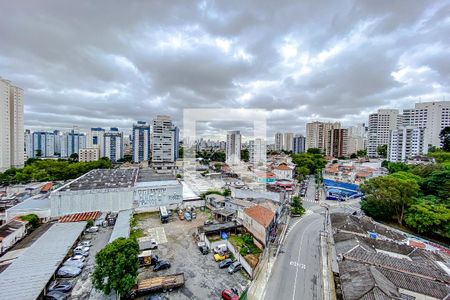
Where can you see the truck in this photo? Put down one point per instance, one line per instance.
(147, 258)
(147, 242)
(155, 284)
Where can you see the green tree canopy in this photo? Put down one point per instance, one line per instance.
(445, 139)
(397, 167)
(382, 150)
(116, 267)
(307, 161)
(388, 196)
(296, 206)
(428, 218)
(245, 155)
(314, 151)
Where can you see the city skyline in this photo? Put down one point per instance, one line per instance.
(118, 74)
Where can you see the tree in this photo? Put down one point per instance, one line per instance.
(126, 158)
(445, 138)
(226, 192)
(245, 155)
(389, 196)
(428, 218)
(382, 151)
(38, 153)
(180, 152)
(314, 151)
(296, 206)
(353, 156)
(438, 183)
(116, 267)
(73, 157)
(361, 153)
(397, 167)
(32, 219)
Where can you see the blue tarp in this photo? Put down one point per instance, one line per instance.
(336, 190)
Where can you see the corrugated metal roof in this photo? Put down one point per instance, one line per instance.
(122, 226)
(85, 216)
(28, 275)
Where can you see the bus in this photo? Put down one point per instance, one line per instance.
(163, 214)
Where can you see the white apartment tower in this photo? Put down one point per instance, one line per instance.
(233, 152)
(357, 138)
(12, 139)
(163, 140)
(95, 139)
(288, 141)
(406, 142)
(317, 134)
(112, 145)
(380, 124)
(141, 142)
(278, 141)
(433, 116)
(257, 152)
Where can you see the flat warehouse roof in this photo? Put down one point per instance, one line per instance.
(28, 275)
(122, 226)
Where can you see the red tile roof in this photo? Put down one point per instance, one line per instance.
(260, 214)
(265, 175)
(80, 217)
(283, 167)
(47, 187)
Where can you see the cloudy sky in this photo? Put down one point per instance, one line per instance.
(110, 63)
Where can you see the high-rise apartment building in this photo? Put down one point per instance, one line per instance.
(257, 151)
(380, 124)
(299, 143)
(58, 141)
(433, 116)
(112, 145)
(94, 139)
(288, 140)
(28, 143)
(88, 154)
(163, 140)
(43, 144)
(11, 126)
(317, 134)
(406, 142)
(233, 152)
(279, 141)
(337, 143)
(141, 142)
(176, 142)
(357, 138)
(72, 142)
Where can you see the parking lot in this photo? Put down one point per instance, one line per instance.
(204, 279)
(83, 288)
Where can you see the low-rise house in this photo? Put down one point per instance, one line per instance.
(11, 233)
(214, 201)
(283, 171)
(238, 206)
(259, 221)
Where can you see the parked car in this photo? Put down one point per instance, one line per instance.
(208, 222)
(203, 248)
(74, 263)
(233, 268)
(61, 286)
(79, 252)
(56, 295)
(92, 229)
(161, 265)
(187, 216)
(302, 193)
(194, 215)
(82, 248)
(85, 243)
(68, 271)
(230, 294)
(220, 256)
(225, 263)
(220, 248)
(78, 258)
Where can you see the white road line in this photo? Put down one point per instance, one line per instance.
(298, 257)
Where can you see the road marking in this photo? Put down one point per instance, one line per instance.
(297, 265)
(158, 234)
(298, 257)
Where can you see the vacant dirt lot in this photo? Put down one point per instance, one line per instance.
(204, 279)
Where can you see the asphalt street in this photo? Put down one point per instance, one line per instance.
(296, 271)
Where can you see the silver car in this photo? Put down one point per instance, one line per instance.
(68, 271)
(74, 263)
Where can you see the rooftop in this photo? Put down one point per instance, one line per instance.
(28, 275)
(85, 216)
(102, 179)
(147, 174)
(10, 227)
(122, 226)
(260, 214)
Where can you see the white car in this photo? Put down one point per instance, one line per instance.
(68, 271)
(92, 229)
(82, 248)
(74, 263)
(78, 258)
(85, 243)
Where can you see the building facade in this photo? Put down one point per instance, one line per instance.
(317, 134)
(257, 152)
(11, 126)
(88, 154)
(433, 116)
(380, 124)
(288, 141)
(95, 138)
(72, 142)
(112, 145)
(233, 151)
(337, 143)
(43, 144)
(141, 142)
(163, 140)
(299, 143)
(406, 142)
(278, 141)
(357, 138)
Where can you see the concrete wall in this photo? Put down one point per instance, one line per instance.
(69, 202)
(150, 196)
(240, 259)
(256, 229)
(9, 240)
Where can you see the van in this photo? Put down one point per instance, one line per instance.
(220, 248)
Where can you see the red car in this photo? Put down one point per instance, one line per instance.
(228, 294)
